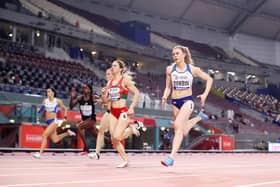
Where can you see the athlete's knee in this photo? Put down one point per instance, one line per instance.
(101, 132)
(83, 126)
(115, 141)
(45, 135)
(116, 137)
(80, 129)
(55, 140)
(178, 128)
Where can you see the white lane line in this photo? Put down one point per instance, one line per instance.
(23, 174)
(259, 184)
(42, 168)
(133, 165)
(97, 181)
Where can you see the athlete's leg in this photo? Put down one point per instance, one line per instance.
(179, 125)
(117, 134)
(104, 126)
(182, 128)
(48, 131)
(89, 124)
(56, 138)
(81, 131)
(132, 129)
(181, 116)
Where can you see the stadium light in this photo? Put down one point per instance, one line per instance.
(144, 129)
(12, 121)
(38, 34)
(162, 128)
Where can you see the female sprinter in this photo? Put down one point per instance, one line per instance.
(179, 79)
(104, 124)
(87, 109)
(50, 107)
(118, 89)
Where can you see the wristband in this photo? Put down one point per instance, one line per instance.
(42, 109)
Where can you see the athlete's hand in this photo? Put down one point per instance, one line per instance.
(130, 111)
(163, 102)
(104, 90)
(97, 101)
(104, 105)
(73, 92)
(202, 99)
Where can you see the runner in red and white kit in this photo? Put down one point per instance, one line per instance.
(133, 128)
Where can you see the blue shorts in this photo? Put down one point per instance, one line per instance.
(50, 121)
(178, 103)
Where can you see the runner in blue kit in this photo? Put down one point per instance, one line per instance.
(179, 79)
(50, 109)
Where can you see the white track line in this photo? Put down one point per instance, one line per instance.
(97, 181)
(133, 165)
(259, 184)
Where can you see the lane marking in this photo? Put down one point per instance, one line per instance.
(97, 181)
(259, 184)
(133, 165)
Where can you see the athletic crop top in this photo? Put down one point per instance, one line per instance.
(181, 80)
(51, 106)
(117, 92)
(87, 108)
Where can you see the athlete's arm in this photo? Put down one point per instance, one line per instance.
(105, 94)
(132, 88)
(197, 72)
(62, 106)
(96, 99)
(74, 101)
(42, 107)
(167, 89)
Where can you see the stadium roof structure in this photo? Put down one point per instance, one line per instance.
(254, 17)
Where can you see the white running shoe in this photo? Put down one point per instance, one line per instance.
(36, 155)
(94, 155)
(139, 124)
(135, 131)
(71, 133)
(136, 127)
(123, 165)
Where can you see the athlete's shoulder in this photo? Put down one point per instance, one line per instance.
(169, 67)
(44, 101)
(109, 83)
(59, 101)
(79, 98)
(194, 69)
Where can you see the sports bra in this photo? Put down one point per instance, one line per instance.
(181, 80)
(117, 92)
(51, 106)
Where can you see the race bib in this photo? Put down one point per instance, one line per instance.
(114, 93)
(86, 110)
(180, 82)
(123, 116)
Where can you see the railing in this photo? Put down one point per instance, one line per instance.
(12, 112)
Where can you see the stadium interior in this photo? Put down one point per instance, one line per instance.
(68, 43)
